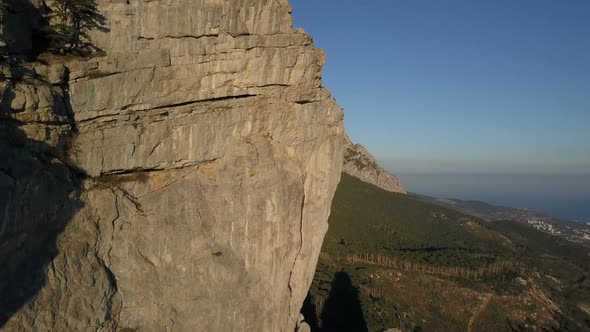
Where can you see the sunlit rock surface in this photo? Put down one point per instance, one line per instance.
(360, 163)
(192, 164)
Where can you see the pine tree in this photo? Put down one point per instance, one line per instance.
(3, 39)
(70, 22)
(3, 12)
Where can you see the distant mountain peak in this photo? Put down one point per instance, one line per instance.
(360, 163)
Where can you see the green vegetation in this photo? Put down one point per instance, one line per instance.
(565, 267)
(535, 245)
(70, 22)
(420, 266)
(368, 220)
(3, 41)
(60, 27)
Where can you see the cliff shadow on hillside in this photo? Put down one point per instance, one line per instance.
(39, 194)
(342, 311)
(309, 310)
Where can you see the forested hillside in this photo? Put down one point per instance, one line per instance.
(395, 261)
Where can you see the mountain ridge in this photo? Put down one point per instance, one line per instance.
(360, 163)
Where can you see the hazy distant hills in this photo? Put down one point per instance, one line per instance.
(573, 231)
(487, 211)
(397, 261)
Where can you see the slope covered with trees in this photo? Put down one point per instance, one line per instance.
(419, 266)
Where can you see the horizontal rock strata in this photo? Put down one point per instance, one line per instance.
(199, 155)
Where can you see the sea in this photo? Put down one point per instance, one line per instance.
(564, 196)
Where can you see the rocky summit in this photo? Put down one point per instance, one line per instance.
(179, 180)
(360, 163)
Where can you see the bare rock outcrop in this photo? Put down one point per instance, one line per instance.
(188, 172)
(360, 163)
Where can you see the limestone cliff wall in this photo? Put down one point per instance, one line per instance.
(360, 163)
(185, 176)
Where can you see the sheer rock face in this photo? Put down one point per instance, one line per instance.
(211, 155)
(360, 163)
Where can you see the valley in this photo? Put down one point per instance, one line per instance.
(416, 266)
(578, 232)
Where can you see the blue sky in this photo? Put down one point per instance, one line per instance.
(461, 86)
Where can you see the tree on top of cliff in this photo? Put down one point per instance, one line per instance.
(3, 11)
(3, 41)
(70, 21)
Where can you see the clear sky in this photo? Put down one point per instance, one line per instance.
(467, 86)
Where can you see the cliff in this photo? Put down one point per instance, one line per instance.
(179, 181)
(361, 164)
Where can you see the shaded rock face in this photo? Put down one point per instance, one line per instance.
(195, 166)
(20, 24)
(39, 192)
(361, 164)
